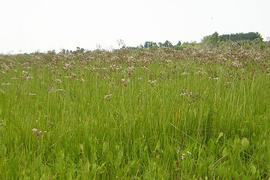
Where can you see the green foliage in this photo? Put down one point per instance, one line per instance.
(179, 44)
(212, 39)
(136, 114)
(166, 44)
(216, 40)
(150, 44)
(241, 37)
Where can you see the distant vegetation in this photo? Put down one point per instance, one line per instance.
(213, 40)
(244, 40)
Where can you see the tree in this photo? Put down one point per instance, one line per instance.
(215, 39)
(211, 39)
(63, 51)
(150, 44)
(251, 36)
(166, 44)
(121, 43)
(80, 50)
(179, 44)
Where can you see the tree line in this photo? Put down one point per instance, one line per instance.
(213, 39)
(166, 44)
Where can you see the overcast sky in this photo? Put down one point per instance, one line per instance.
(30, 25)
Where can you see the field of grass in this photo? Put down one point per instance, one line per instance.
(133, 115)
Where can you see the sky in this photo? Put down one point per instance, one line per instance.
(41, 25)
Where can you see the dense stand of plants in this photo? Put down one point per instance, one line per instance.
(153, 113)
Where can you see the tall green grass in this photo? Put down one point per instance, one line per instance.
(160, 120)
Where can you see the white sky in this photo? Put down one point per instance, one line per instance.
(30, 25)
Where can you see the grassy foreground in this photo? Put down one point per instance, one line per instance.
(84, 117)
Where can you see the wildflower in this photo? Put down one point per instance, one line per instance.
(192, 97)
(125, 81)
(53, 90)
(115, 67)
(37, 132)
(185, 155)
(130, 59)
(108, 97)
(130, 70)
(228, 83)
(67, 66)
(152, 82)
(186, 93)
(214, 78)
(25, 72)
(59, 90)
(200, 72)
(236, 64)
(146, 68)
(58, 80)
(26, 75)
(73, 75)
(5, 67)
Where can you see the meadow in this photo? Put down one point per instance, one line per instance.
(162, 113)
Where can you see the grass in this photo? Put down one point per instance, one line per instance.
(64, 118)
